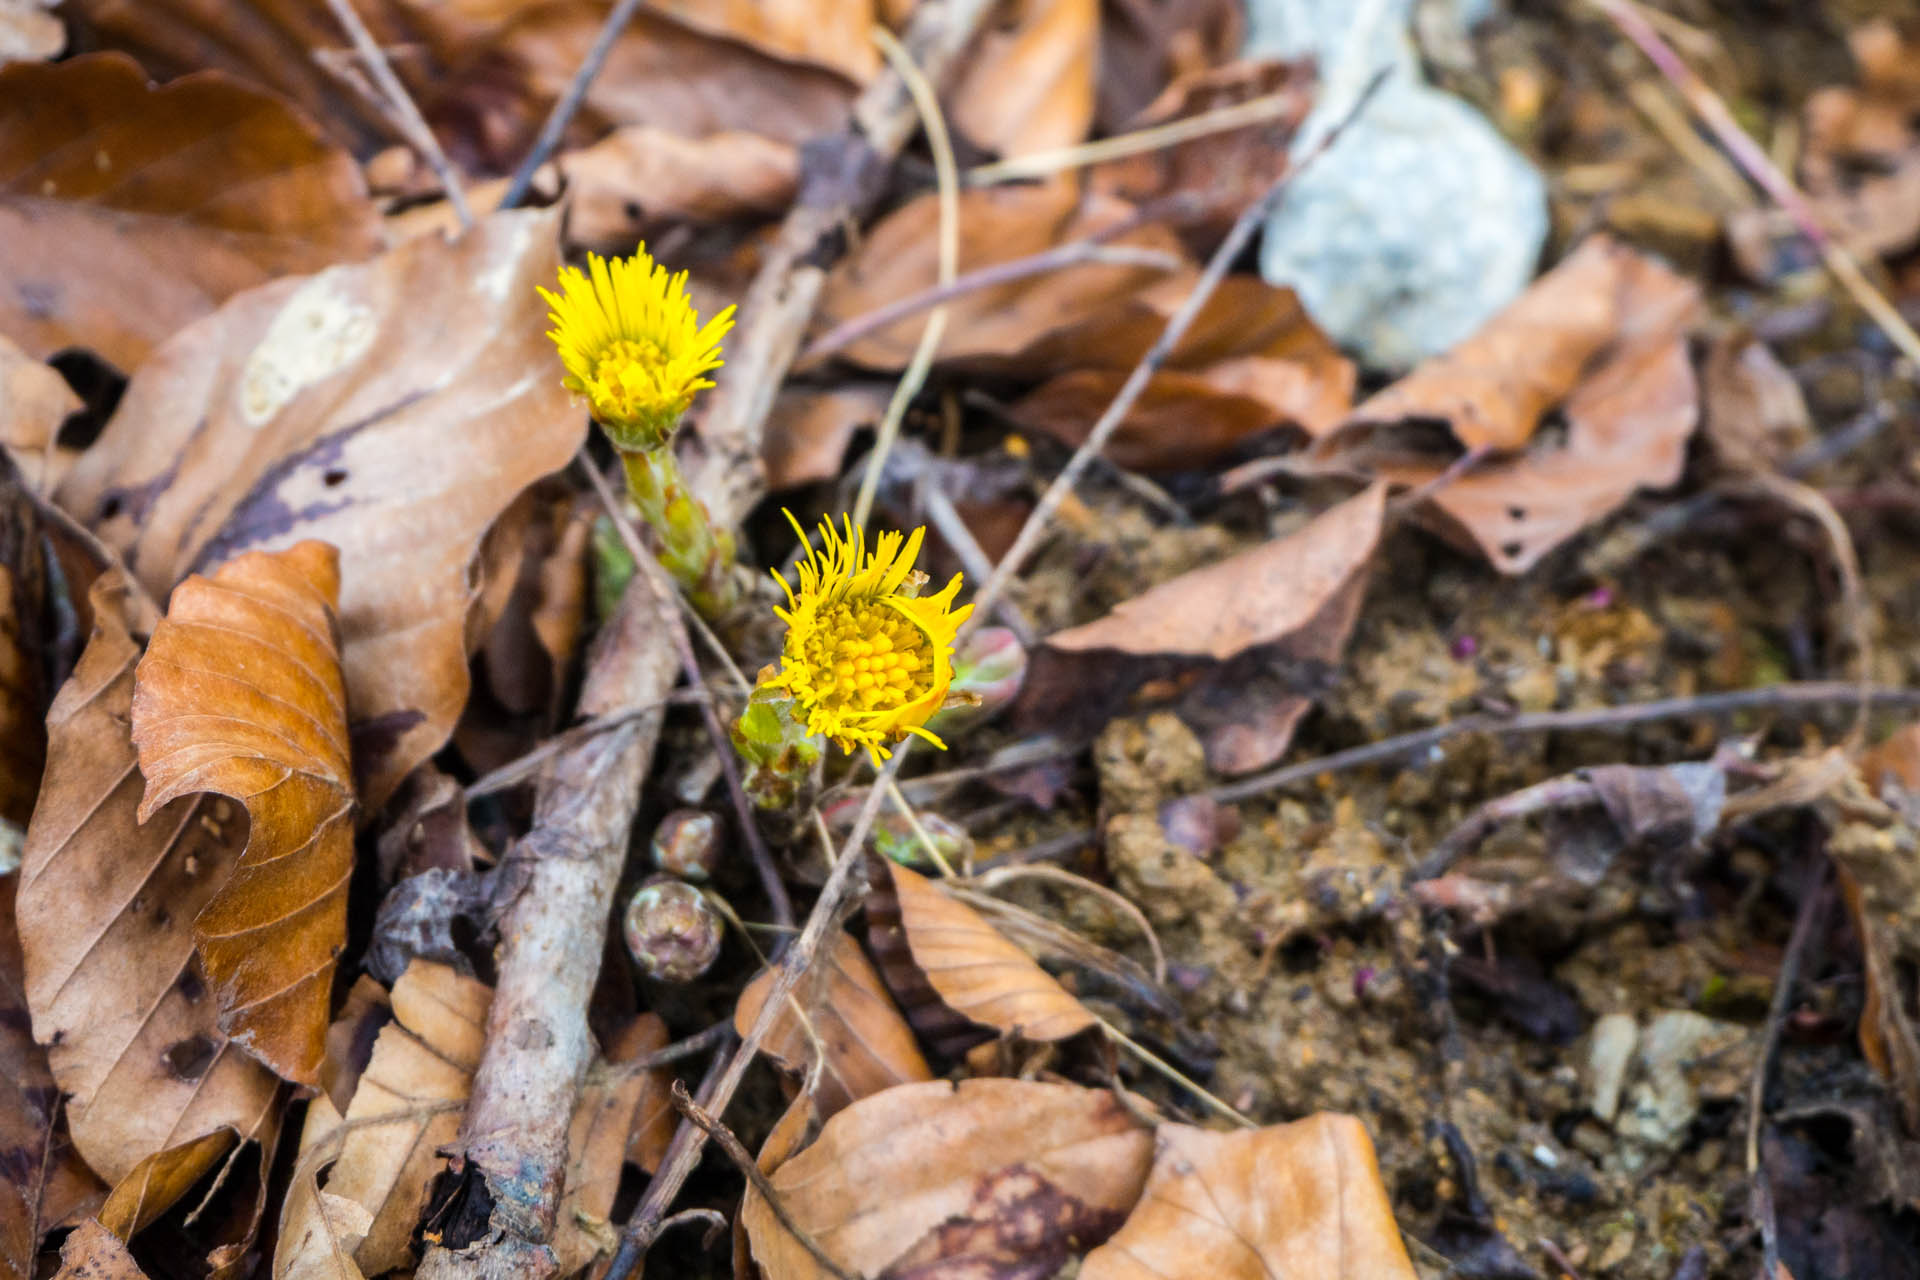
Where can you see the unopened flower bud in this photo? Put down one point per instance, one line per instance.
(673, 932)
(893, 836)
(988, 668)
(688, 844)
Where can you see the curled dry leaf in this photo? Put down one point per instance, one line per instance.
(868, 1045)
(240, 695)
(94, 1253)
(1246, 642)
(1602, 337)
(934, 1177)
(1300, 1199)
(942, 959)
(44, 1185)
(385, 1151)
(34, 401)
(393, 409)
(640, 177)
(1754, 413)
(359, 1218)
(1493, 390)
(106, 909)
(188, 192)
(1258, 597)
(1027, 84)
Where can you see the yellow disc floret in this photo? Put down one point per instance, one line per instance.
(867, 659)
(633, 345)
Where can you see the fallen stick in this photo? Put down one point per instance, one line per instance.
(557, 888)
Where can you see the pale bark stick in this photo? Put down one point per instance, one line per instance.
(559, 883)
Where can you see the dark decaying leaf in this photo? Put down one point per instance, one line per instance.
(106, 908)
(44, 1185)
(127, 211)
(240, 694)
(1005, 1178)
(393, 409)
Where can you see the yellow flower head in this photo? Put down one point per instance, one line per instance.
(633, 345)
(867, 658)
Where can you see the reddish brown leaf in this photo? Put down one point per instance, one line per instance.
(95, 1253)
(970, 966)
(393, 409)
(1753, 409)
(1300, 1199)
(1258, 597)
(868, 1045)
(106, 910)
(44, 1185)
(1225, 171)
(1027, 83)
(190, 192)
(240, 695)
(929, 1174)
(808, 431)
(1145, 46)
(640, 177)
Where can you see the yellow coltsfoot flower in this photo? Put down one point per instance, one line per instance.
(867, 659)
(633, 345)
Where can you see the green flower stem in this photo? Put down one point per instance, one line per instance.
(697, 554)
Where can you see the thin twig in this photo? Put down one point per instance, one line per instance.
(947, 178)
(684, 1152)
(401, 107)
(769, 874)
(1813, 905)
(1224, 257)
(1777, 697)
(744, 1161)
(1072, 254)
(946, 521)
(699, 1042)
(563, 111)
(521, 768)
(1277, 105)
(1759, 167)
(1560, 1259)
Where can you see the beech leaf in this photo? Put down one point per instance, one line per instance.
(240, 694)
(984, 1171)
(129, 209)
(1300, 1199)
(393, 409)
(106, 909)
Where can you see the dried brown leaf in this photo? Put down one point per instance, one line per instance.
(1027, 83)
(1753, 411)
(1183, 421)
(1300, 1199)
(189, 193)
(971, 967)
(106, 910)
(639, 178)
(384, 1151)
(1224, 171)
(1258, 597)
(44, 1185)
(161, 1179)
(809, 430)
(868, 1045)
(393, 409)
(486, 73)
(240, 695)
(34, 401)
(1493, 389)
(94, 1253)
(926, 1175)
(1146, 46)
